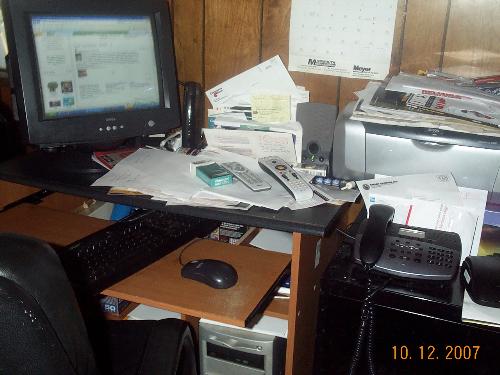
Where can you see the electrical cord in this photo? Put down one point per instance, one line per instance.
(345, 234)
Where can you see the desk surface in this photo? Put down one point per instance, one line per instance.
(161, 285)
(35, 169)
(53, 226)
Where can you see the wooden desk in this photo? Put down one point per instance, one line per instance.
(161, 285)
(314, 242)
(56, 227)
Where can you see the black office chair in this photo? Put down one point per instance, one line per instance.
(10, 142)
(42, 330)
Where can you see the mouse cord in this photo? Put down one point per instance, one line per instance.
(186, 246)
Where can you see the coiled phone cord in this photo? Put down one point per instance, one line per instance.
(367, 324)
(370, 347)
(367, 328)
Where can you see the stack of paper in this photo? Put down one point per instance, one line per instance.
(421, 101)
(166, 176)
(263, 98)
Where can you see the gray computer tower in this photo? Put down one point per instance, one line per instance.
(226, 351)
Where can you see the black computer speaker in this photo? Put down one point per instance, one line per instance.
(318, 122)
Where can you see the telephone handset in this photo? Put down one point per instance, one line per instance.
(405, 251)
(371, 243)
(192, 115)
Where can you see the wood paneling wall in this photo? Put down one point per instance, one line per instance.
(216, 39)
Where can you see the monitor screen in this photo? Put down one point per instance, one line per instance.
(95, 64)
(91, 72)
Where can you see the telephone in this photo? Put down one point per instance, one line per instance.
(192, 115)
(405, 251)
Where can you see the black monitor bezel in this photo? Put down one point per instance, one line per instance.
(90, 128)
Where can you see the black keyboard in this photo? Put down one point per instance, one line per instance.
(103, 258)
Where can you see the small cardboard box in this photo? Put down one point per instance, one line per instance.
(214, 175)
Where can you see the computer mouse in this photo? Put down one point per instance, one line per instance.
(481, 277)
(214, 273)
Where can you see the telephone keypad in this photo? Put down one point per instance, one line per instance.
(411, 255)
(417, 253)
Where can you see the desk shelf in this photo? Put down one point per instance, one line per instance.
(278, 308)
(56, 227)
(308, 260)
(161, 285)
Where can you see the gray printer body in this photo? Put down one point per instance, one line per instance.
(361, 150)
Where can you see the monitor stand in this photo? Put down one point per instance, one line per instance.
(77, 159)
(70, 161)
(69, 165)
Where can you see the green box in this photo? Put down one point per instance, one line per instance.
(214, 175)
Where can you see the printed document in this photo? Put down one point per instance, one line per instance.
(223, 121)
(254, 144)
(431, 201)
(268, 78)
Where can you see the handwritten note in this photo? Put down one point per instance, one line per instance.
(271, 108)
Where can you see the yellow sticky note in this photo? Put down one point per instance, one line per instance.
(270, 108)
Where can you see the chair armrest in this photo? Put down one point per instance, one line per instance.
(170, 349)
(144, 347)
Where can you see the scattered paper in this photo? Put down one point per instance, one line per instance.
(254, 144)
(344, 38)
(222, 121)
(468, 96)
(166, 176)
(376, 103)
(269, 76)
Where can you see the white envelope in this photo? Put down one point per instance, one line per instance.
(430, 186)
(269, 76)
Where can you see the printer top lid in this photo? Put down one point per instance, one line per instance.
(434, 135)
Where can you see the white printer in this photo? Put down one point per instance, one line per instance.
(362, 149)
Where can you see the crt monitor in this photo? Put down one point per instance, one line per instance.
(91, 71)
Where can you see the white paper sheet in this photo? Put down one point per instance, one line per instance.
(269, 76)
(344, 38)
(273, 240)
(223, 121)
(155, 171)
(254, 144)
(275, 198)
(431, 201)
(479, 314)
(166, 176)
(429, 186)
